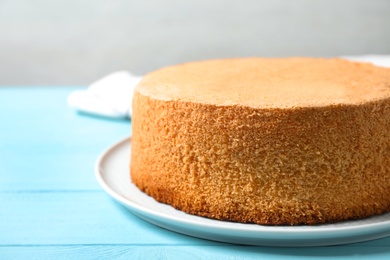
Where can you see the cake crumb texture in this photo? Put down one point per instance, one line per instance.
(263, 162)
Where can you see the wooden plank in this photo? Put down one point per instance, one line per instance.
(45, 145)
(190, 252)
(55, 218)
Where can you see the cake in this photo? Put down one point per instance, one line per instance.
(289, 141)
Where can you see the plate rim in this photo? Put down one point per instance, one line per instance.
(287, 231)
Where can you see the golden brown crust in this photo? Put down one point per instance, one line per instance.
(269, 83)
(275, 166)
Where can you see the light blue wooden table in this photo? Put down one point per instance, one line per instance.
(51, 206)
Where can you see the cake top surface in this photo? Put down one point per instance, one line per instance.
(269, 82)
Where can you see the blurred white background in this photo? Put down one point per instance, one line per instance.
(73, 42)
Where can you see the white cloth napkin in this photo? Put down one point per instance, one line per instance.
(378, 60)
(111, 96)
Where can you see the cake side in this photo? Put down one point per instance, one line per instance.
(302, 165)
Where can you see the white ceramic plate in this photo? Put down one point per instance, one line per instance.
(112, 172)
